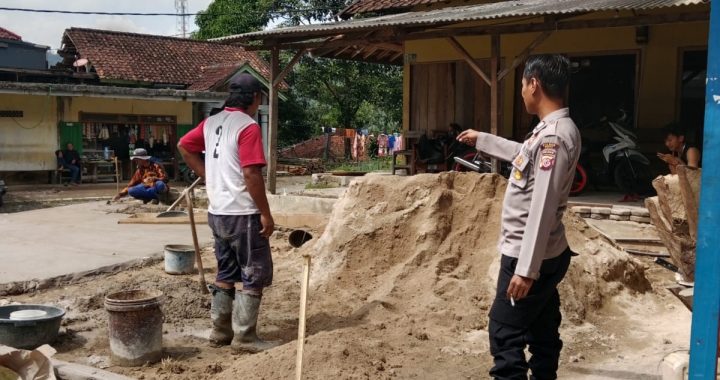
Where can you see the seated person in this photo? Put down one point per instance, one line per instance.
(681, 152)
(149, 183)
(62, 164)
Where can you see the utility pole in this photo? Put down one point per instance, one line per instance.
(706, 300)
(181, 10)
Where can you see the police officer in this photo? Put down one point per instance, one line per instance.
(535, 252)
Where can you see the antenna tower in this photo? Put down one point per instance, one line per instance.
(181, 10)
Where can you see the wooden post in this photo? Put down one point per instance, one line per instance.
(273, 125)
(494, 91)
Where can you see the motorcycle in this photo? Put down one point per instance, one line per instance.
(623, 164)
(480, 164)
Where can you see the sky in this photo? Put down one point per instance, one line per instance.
(47, 29)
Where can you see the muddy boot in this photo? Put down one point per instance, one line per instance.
(244, 323)
(221, 315)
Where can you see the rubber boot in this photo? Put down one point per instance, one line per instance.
(244, 323)
(221, 309)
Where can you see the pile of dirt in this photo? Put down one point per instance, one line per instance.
(407, 263)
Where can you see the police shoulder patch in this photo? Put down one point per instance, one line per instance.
(548, 155)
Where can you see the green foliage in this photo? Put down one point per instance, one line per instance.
(229, 17)
(322, 92)
(376, 164)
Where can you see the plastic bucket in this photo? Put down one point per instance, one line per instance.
(179, 259)
(135, 327)
(20, 329)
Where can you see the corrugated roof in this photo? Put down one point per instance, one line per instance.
(468, 13)
(365, 6)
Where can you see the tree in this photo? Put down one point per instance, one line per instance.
(322, 92)
(229, 17)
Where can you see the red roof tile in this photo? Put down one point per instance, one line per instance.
(213, 76)
(156, 59)
(365, 6)
(8, 35)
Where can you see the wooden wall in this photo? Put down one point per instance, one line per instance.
(448, 92)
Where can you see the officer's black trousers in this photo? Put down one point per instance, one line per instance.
(533, 321)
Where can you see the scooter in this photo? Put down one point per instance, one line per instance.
(623, 164)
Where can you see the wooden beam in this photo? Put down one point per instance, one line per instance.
(273, 122)
(495, 92)
(289, 67)
(370, 52)
(468, 58)
(383, 54)
(565, 25)
(357, 52)
(396, 56)
(341, 50)
(525, 54)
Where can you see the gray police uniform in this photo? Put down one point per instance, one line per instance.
(533, 244)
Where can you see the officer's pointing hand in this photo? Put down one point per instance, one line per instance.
(519, 287)
(468, 137)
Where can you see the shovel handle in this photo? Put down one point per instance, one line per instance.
(182, 195)
(301, 322)
(198, 258)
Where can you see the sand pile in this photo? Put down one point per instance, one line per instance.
(408, 266)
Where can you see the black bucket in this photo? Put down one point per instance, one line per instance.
(29, 334)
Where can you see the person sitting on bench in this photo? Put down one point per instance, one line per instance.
(149, 183)
(62, 164)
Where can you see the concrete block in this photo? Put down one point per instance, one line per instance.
(598, 216)
(325, 178)
(640, 219)
(601, 210)
(620, 211)
(619, 217)
(643, 212)
(584, 215)
(675, 366)
(582, 210)
(345, 180)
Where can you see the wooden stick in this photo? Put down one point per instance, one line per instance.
(198, 258)
(301, 322)
(117, 176)
(180, 198)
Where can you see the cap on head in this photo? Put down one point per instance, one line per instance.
(140, 154)
(245, 83)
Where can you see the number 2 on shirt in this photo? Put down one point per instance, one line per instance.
(218, 132)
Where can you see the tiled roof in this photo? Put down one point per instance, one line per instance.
(365, 6)
(155, 59)
(213, 76)
(8, 35)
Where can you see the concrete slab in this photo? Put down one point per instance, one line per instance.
(47, 243)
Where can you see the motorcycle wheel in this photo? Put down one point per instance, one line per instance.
(189, 176)
(580, 181)
(632, 180)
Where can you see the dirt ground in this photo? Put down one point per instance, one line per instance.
(402, 281)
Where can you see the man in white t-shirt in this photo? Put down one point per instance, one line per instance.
(239, 214)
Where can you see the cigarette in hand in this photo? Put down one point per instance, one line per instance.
(512, 301)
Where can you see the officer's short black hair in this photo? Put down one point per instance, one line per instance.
(551, 70)
(674, 129)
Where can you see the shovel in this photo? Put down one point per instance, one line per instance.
(169, 213)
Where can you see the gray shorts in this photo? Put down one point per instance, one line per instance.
(243, 255)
